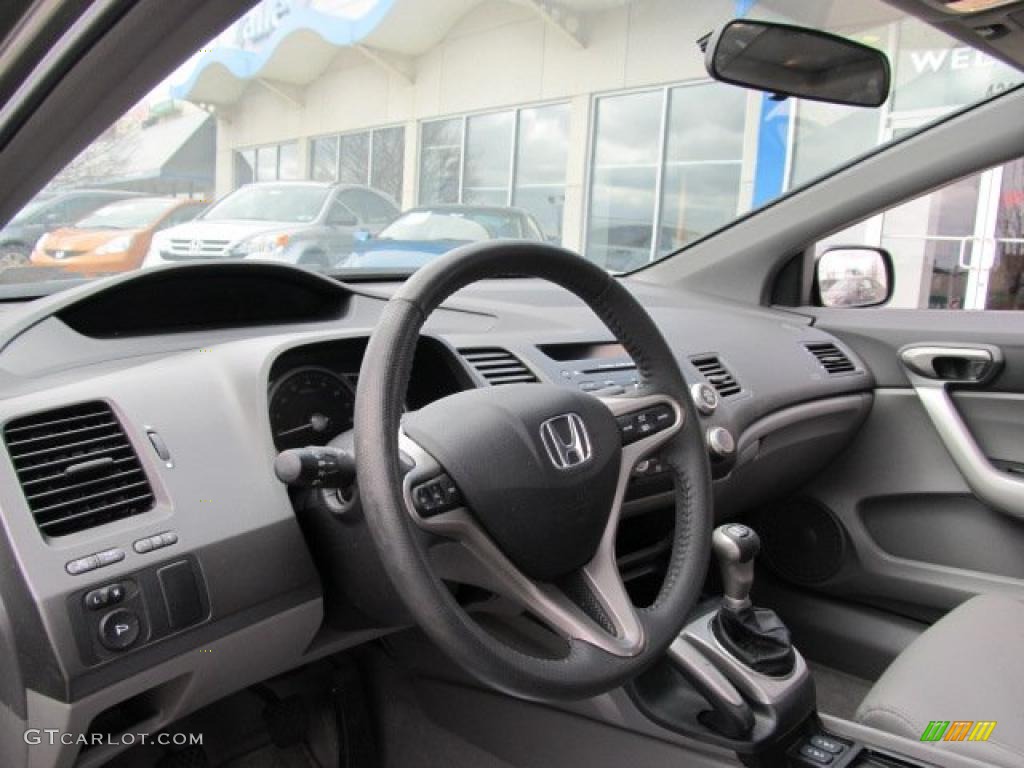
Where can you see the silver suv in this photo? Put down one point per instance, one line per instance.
(300, 222)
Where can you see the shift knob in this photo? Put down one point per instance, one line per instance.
(735, 546)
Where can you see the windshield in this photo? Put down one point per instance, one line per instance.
(130, 214)
(293, 203)
(26, 213)
(596, 128)
(469, 225)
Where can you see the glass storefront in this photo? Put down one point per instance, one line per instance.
(374, 158)
(666, 170)
(513, 157)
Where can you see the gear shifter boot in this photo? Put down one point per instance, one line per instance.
(757, 637)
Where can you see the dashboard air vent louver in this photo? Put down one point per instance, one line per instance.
(832, 359)
(717, 375)
(498, 366)
(77, 468)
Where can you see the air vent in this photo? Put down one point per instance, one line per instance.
(832, 359)
(498, 366)
(77, 468)
(717, 375)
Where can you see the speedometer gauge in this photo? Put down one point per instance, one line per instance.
(310, 406)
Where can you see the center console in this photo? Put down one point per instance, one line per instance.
(734, 679)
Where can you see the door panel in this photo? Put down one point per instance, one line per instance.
(921, 538)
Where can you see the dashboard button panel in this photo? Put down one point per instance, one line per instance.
(120, 629)
(92, 562)
(157, 541)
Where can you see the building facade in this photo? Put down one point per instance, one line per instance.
(595, 115)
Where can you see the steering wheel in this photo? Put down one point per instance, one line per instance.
(522, 486)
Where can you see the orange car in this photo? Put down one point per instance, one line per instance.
(114, 238)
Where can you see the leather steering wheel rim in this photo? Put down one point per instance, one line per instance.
(587, 669)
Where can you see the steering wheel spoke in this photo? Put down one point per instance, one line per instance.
(590, 605)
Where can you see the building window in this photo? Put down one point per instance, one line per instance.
(541, 152)
(488, 159)
(245, 167)
(323, 158)
(515, 157)
(373, 158)
(666, 171)
(274, 162)
(441, 162)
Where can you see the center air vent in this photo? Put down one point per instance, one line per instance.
(832, 359)
(77, 468)
(498, 366)
(717, 375)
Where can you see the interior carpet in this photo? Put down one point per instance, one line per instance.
(839, 694)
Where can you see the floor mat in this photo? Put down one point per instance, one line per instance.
(839, 694)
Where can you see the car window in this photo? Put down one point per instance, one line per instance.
(367, 206)
(126, 214)
(181, 215)
(598, 121)
(296, 203)
(341, 215)
(959, 247)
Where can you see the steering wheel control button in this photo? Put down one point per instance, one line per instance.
(705, 397)
(158, 541)
(635, 426)
(436, 496)
(721, 442)
(120, 629)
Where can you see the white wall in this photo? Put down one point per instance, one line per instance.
(499, 54)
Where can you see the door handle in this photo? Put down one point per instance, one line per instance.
(952, 365)
(932, 368)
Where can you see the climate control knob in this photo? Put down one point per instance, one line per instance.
(721, 442)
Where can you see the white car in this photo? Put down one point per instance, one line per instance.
(302, 222)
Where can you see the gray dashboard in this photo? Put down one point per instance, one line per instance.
(199, 379)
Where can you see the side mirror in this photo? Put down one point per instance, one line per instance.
(793, 61)
(853, 276)
(362, 235)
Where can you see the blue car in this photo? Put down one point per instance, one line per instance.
(422, 234)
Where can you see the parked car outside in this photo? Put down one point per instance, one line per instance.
(114, 238)
(423, 234)
(308, 223)
(43, 215)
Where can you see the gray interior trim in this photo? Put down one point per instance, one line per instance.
(994, 486)
(898, 745)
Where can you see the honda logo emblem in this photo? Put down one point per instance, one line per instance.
(566, 440)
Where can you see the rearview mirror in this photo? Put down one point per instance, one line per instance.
(793, 61)
(854, 276)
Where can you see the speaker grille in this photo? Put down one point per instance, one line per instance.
(801, 541)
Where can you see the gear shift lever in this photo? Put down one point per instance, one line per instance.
(736, 546)
(754, 636)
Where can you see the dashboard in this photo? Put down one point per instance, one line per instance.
(222, 574)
